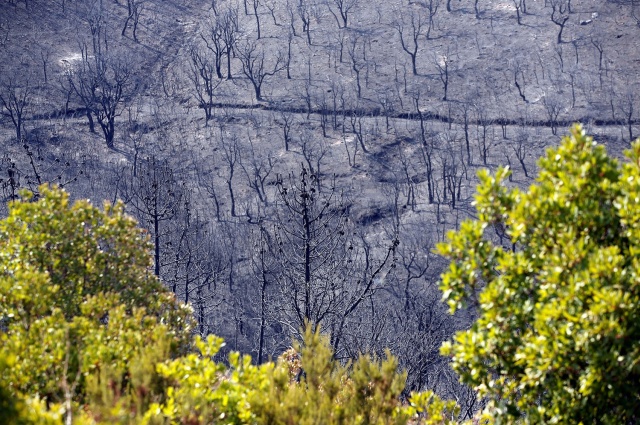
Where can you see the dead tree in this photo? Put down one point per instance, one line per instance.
(465, 108)
(431, 7)
(314, 151)
(191, 265)
(627, 105)
(154, 196)
(272, 5)
(45, 53)
(520, 149)
(134, 10)
(257, 168)
(519, 81)
(449, 6)
(453, 171)
(289, 56)
(229, 145)
(202, 74)
(408, 174)
(598, 44)
(340, 9)
(291, 11)
(206, 179)
(519, 6)
(427, 148)
(102, 83)
(357, 119)
(410, 29)
(256, 5)
(34, 167)
(265, 269)
(358, 62)
(313, 250)
(559, 15)
(306, 12)
(15, 98)
(215, 42)
(104, 79)
(442, 63)
(326, 273)
(285, 120)
(228, 21)
(416, 321)
(553, 107)
(256, 67)
(483, 124)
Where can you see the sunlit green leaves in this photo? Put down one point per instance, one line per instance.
(78, 303)
(557, 339)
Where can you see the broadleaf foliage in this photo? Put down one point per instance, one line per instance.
(557, 339)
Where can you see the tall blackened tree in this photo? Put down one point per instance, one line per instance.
(15, 97)
(265, 268)
(215, 40)
(202, 74)
(443, 63)
(340, 9)
(306, 10)
(103, 82)
(560, 10)
(104, 79)
(134, 11)
(256, 66)
(431, 7)
(327, 273)
(155, 196)
(191, 264)
(228, 21)
(410, 27)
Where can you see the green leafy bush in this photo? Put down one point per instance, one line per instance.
(558, 334)
(305, 386)
(79, 308)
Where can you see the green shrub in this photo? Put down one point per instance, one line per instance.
(558, 334)
(78, 306)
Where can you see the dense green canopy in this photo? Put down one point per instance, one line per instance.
(78, 303)
(557, 339)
